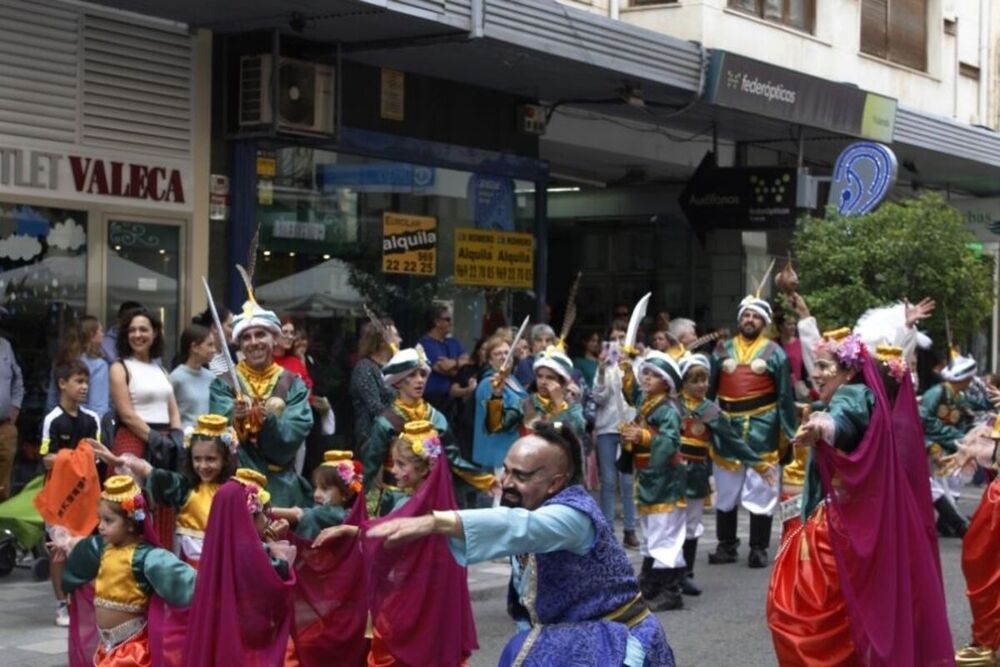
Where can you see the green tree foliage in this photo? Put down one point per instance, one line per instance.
(909, 249)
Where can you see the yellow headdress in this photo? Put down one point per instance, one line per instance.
(123, 490)
(348, 469)
(422, 438)
(251, 478)
(213, 426)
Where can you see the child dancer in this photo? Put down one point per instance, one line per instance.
(336, 485)
(418, 587)
(242, 609)
(127, 570)
(705, 435)
(661, 499)
(210, 460)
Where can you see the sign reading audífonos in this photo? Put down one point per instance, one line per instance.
(751, 85)
(740, 197)
(494, 259)
(409, 244)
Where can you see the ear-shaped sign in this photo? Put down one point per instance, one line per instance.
(863, 175)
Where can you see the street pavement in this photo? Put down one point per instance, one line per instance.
(725, 626)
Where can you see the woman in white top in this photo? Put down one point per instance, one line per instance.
(149, 422)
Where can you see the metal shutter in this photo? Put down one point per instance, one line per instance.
(874, 28)
(137, 86)
(39, 49)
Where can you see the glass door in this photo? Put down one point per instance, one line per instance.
(144, 266)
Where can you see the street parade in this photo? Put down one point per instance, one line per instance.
(529, 333)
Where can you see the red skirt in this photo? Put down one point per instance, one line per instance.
(133, 652)
(127, 442)
(805, 606)
(981, 566)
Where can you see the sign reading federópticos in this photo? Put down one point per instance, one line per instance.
(758, 87)
(409, 244)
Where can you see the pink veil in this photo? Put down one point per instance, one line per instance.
(888, 568)
(242, 610)
(419, 594)
(331, 598)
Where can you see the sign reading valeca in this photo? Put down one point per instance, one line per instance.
(82, 176)
(409, 244)
(494, 259)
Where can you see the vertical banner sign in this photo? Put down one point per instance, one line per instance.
(409, 244)
(494, 259)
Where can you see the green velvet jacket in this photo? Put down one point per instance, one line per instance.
(945, 414)
(155, 570)
(850, 408)
(762, 430)
(663, 481)
(515, 415)
(725, 444)
(274, 452)
(315, 519)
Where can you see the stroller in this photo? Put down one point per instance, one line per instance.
(22, 533)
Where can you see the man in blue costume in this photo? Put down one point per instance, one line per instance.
(573, 591)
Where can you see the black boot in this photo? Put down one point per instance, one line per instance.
(688, 586)
(949, 522)
(760, 539)
(668, 596)
(725, 530)
(646, 587)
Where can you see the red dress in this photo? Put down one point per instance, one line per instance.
(981, 566)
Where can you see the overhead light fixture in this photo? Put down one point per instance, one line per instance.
(554, 188)
(632, 96)
(326, 256)
(291, 254)
(267, 253)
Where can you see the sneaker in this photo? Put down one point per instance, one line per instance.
(62, 614)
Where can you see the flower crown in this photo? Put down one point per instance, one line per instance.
(423, 439)
(846, 347)
(892, 357)
(123, 490)
(349, 471)
(213, 426)
(255, 504)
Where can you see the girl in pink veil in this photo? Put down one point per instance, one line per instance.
(859, 582)
(419, 595)
(242, 608)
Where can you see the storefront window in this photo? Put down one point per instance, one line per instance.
(43, 286)
(143, 266)
(325, 218)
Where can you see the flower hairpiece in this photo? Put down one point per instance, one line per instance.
(350, 475)
(227, 437)
(849, 350)
(898, 368)
(135, 507)
(254, 503)
(429, 448)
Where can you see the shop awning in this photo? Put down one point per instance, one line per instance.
(540, 49)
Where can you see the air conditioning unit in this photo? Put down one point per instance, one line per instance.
(304, 101)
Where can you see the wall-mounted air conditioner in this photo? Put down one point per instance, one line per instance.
(304, 100)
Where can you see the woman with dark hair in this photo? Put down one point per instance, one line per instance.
(218, 363)
(191, 379)
(149, 422)
(860, 582)
(370, 396)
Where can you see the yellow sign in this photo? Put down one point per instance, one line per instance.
(392, 95)
(494, 259)
(409, 244)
